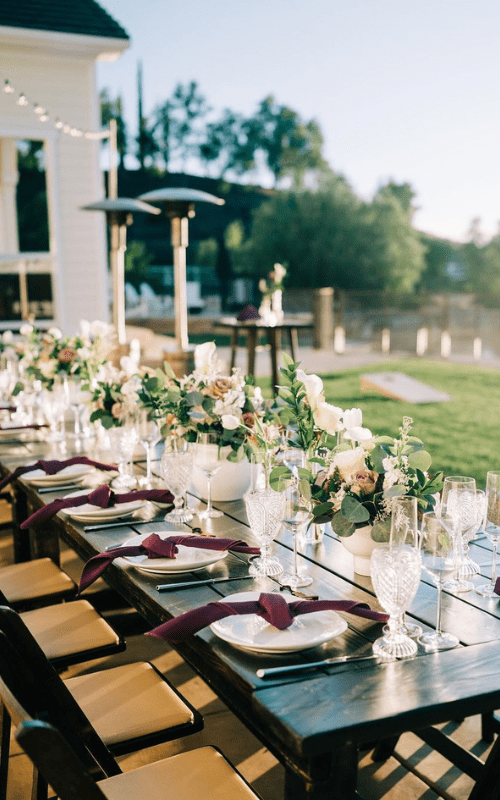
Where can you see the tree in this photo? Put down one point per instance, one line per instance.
(229, 145)
(113, 109)
(178, 124)
(147, 146)
(331, 238)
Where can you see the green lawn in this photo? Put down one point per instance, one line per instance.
(462, 435)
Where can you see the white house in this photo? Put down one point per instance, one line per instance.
(48, 52)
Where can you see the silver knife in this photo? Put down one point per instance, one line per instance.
(273, 672)
(130, 522)
(165, 587)
(59, 488)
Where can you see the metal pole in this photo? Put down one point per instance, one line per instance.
(113, 161)
(117, 259)
(179, 240)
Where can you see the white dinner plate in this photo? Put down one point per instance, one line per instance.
(188, 559)
(40, 478)
(309, 630)
(96, 513)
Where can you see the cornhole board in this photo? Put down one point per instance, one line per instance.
(399, 386)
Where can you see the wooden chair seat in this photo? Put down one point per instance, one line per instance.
(133, 706)
(201, 773)
(70, 633)
(34, 583)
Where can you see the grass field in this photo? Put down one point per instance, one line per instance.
(462, 435)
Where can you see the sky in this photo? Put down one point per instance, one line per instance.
(403, 90)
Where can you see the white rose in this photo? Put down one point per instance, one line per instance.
(101, 330)
(26, 329)
(352, 420)
(230, 422)
(7, 337)
(327, 417)
(128, 365)
(279, 272)
(313, 386)
(348, 462)
(55, 333)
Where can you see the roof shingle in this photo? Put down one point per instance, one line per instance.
(84, 17)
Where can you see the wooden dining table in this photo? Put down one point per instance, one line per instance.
(314, 722)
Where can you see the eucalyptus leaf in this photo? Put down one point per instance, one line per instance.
(420, 460)
(381, 531)
(341, 525)
(353, 510)
(395, 491)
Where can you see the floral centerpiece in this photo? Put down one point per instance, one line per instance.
(356, 476)
(205, 401)
(48, 354)
(115, 395)
(272, 291)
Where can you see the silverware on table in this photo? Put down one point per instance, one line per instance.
(274, 672)
(165, 587)
(130, 521)
(60, 487)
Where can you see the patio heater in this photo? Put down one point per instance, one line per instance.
(178, 206)
(119, 211)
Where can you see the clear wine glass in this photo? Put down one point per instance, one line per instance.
(296, 515)
(404, 530)
(437, 552)
(265, 510)
(395, 571)
(459, 501)
(470, 567)
(176, 468)
(491, 527)
(207, 459)
(124, 439)
(54, 406)
(148, 431)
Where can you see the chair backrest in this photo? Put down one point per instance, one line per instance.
(32, 679)
(49, 751)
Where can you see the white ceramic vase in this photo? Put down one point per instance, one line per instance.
(360, 544)
(230, 482)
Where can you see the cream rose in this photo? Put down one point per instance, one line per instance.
(350, 462)
(327, 417)
(313, 386)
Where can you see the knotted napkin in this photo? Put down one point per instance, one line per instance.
(53, 467)
(156, 547)
(103, 496)
(271, 607)
(497, 586)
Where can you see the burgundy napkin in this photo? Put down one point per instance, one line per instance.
(249, 312)
(53, 467)
(497, 586)
(103, 496)
(156, 547)
(271, 607)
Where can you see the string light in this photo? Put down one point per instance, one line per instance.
(44, 116)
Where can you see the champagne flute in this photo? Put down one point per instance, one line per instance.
(492, 527)
(149, 435)
(295, 518)
(207, 459)
(459, 501)
(438, 560)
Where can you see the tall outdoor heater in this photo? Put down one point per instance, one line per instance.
(119, 211)
(178, 207)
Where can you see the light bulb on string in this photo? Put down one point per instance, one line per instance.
(22, 100)
(43, 117)
(58, 124)
(38, 109)
(8, 89)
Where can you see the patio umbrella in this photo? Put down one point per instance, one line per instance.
(178, 206)
(119, 211)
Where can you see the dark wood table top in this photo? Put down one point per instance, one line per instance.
(288, 321)
(313, 721)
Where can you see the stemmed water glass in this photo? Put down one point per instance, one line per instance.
(469, 567)
(124, 439)
(395, 571)
(149, 435)
(437, 552)
(207, 458)
(265, 510)
(491, 527)
(296, 515)
(176, 467)
(459, 502)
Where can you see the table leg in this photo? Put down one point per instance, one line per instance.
(275, 342)
(234, 346)
(329, 777)
(251, 348)
(293, 338)
(20, 538)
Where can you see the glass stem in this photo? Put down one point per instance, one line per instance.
(209, 492)
(494, 564)
(295, 554)
(148, 463)
(439, 605)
